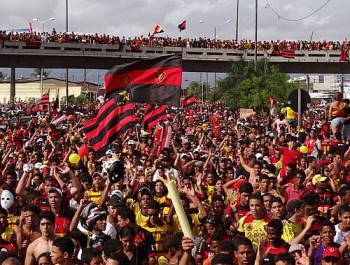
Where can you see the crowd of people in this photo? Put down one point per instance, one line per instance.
(255, 190)
(155, 41)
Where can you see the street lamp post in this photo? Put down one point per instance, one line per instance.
(237, 14)
(256, 35)
(215, 26)
(43, 40)
(67, 72)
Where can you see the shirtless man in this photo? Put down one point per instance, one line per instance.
(28, 228)
(43, 243)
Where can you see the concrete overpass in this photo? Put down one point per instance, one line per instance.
(103, 56)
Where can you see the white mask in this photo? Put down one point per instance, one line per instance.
(7, 199)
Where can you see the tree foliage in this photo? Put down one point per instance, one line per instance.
(197, 88)
(37, 72)
(247, 87)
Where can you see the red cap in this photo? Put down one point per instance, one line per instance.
(331, 252)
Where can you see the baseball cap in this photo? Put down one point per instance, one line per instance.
(331, 252)
(258, 155)
(130, 142)
(198, 164)
(295, 247)
(53, 189)
(45, 169)
(38, 165)
(318, 178)
(115, 201)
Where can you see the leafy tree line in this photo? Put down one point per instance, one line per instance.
(247, 86)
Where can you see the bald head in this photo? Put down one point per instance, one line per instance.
(11, 261)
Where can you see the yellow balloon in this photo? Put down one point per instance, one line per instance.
(303, 149)
(74, 158)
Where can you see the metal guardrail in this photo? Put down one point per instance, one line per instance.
(105, 50)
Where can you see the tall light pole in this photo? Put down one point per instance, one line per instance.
(256, 35)
(215, 26)
(67, 72)
(237, 14)
(42, 69)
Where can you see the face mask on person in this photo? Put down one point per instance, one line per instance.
(7, 199)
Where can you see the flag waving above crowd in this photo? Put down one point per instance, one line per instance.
(157, 29)
(182, 26)
(111, 120)
(156, 80)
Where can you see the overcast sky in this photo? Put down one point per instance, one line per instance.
(139, 17)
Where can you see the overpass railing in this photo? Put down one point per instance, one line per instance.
(103, 50)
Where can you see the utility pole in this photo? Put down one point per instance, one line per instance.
(67, 72)
(342, 84)
(237, 14)
(256, 35)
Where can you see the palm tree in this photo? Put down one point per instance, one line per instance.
(37, 72)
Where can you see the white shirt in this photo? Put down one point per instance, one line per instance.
(339, 235)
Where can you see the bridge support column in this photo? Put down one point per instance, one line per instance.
(13, 85)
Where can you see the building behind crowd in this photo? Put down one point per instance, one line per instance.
(29, 89)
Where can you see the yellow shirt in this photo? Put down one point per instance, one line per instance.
(289, 113)
(159, 233)
(94, 196)
(253, 229)
(8, 231)
(291, 230)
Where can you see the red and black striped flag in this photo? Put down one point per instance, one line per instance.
(45, 99)
(182, 26)
(188, 101)
(111, 120)
(153, 115)
(157, 80)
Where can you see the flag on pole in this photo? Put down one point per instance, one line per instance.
(30, 27)
(55, 106)
(45, 98)
(157, 80)
(111, 120)
(188, 101)
(157, 29)
(154, 115)
(182, 26)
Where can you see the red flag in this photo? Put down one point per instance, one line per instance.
(55, 107)
(45, 98)
(182, 26)
(288, 53)
(157, 29)
(112, 120)
(157, 80)
(343, 55)
(188, 101)
(153, 115)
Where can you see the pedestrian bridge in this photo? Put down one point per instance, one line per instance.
(15, 54)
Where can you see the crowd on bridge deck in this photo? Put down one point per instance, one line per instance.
(255, 189)
(154, 41)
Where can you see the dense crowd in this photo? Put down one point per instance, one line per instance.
(255, 189)
(155, 41)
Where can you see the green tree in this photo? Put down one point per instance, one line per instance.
(196, 88)
(37, 72)
(247, 87)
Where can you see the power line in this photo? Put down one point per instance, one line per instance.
(297, 19)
